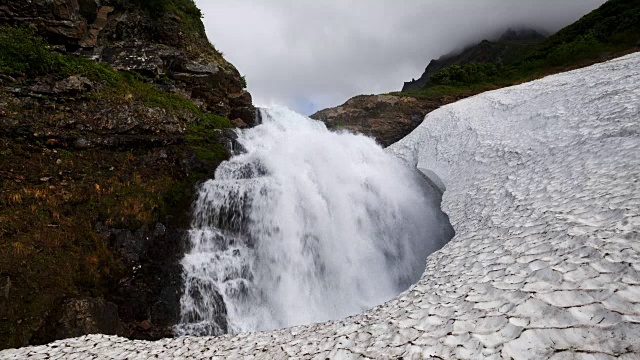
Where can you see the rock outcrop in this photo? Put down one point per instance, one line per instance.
(386, 118)
(98, 167)
(79, 317)
(159, 46)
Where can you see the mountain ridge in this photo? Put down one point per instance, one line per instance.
(504, 49)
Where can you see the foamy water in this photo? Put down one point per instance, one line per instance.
(305, 226)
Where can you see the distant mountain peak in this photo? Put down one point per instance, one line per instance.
(504, 48)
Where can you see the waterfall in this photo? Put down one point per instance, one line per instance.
(305, 225)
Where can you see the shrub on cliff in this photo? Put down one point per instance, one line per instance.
(613, 26)
(21, 52)
(189, 13)
(583, 47)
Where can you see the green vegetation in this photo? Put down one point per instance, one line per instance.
(471, 73)
(51, 248)
(614, 27)
(49, 244)
(22, 53)
(134, 84)
(26, 56)
(189, 14)
(611, 30)
(204, 136)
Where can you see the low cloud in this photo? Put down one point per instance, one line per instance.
(310, 55)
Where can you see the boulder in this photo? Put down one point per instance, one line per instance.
(73, 85)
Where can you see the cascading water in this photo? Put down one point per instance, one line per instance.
(305, 225)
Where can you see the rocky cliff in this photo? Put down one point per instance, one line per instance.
(111, 111)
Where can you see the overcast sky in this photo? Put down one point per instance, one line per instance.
(313, 54)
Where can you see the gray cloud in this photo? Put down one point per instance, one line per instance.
(310, 54)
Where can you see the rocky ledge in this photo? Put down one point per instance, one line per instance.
(542, 189)
(386, 118)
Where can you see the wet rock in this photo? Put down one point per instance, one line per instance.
(73, 85)
(151, 292)
(84, 316)
(148, 60)
(239, 123)
(128, 244)
(193, 67)
(65, 10)
(7, 79)
(41, 88)
(160, 230)
(146, 325)
(88, 9)
(83, 143)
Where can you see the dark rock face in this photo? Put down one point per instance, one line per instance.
(79, 317)
(505, 49)
(149, 297)
(95, 189)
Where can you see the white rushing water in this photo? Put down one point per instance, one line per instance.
(305, 225)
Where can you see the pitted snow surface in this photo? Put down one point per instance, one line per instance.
(542, 189)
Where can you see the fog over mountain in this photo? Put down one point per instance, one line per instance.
(310, 55)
